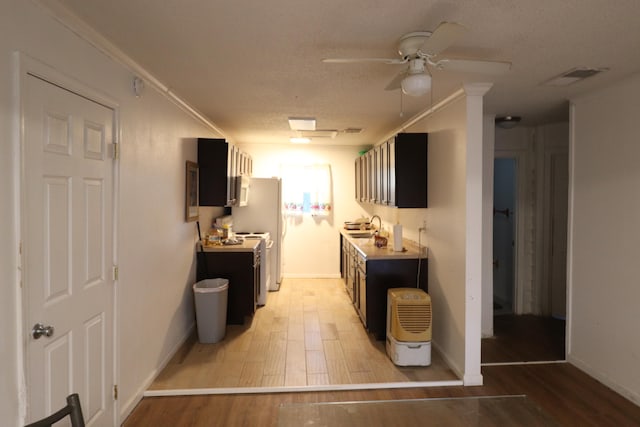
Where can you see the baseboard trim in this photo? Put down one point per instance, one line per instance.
(299, 389)
(537, 362)
(604, 379)
(452, 365)
(312, 276)
(128, 407)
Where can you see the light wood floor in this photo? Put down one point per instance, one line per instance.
(307, 334)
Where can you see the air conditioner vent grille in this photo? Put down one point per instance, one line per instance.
(409, 315)
(414, 318)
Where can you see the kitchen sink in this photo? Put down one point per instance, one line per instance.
(364, 234)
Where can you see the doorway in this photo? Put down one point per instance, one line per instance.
(504, 209)
(529, 247)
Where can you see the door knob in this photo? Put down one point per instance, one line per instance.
(39, 330)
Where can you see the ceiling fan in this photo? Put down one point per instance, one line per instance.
(419, 50)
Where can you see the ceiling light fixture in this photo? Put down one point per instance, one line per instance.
(299, 140)
(507, 122)
(302, 123)
(417, 82)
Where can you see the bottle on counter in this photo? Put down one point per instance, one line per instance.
(215, 236)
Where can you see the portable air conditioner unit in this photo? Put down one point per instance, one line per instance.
(409, 327)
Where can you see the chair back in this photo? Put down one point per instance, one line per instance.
(73, 410)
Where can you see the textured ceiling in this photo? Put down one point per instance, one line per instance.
(248, 65)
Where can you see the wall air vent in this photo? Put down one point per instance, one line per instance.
(573, 76)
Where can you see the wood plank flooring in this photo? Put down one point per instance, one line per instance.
(565, 393)
(524, 338)
(307, 334)
(568, 395)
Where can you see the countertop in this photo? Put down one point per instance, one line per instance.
(248, 245)
(370, 251)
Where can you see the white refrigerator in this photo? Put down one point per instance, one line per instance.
(264, 213)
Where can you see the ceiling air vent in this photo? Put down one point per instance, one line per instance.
(352, 130)
(320, 133)
(573, 76)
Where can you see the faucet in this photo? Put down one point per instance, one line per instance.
(379, 222)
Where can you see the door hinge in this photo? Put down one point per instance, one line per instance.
(116, 151)
(115, 392)
(115, 272)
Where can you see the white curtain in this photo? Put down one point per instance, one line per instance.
(307, 189)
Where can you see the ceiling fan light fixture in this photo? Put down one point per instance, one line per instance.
(416, 84)
(508, 122)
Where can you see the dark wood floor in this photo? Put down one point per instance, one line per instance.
(565, 393)
(524, 338)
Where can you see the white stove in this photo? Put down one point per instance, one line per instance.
(252, 235)
(265, 256)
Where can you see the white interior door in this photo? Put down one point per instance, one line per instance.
(68, 250)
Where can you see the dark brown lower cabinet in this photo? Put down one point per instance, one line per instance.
(242, 269)
(367, 282)
(385, 274)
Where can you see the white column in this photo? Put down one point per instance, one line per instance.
(475, 218)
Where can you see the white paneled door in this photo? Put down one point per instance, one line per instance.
(68, 251)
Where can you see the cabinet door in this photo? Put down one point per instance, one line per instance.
(231, 181)
(358, 181)
(411, 170)
(241, 163)
(391, 171)
(362, 292)
(239, 268)
(213, 158)
(384, 173)
(373, 176)
(364, 173)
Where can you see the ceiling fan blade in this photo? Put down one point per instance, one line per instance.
(358, 60)
(397, 81)
(474, 66)
(444, 36)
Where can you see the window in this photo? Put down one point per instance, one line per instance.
(307, 189)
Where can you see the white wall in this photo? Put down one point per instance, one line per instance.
(455, 228)
(312, 245)
(155, 245)
(604, 271)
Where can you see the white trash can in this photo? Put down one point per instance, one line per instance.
(210, 297)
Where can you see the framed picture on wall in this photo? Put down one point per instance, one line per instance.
(191, 203)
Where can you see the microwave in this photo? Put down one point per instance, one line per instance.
(243, 190)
